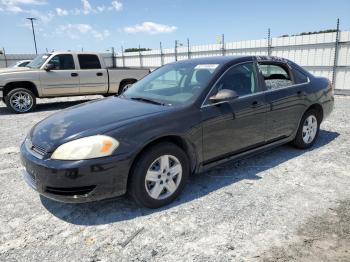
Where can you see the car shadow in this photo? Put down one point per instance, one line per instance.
(123, 208)
(47, 106)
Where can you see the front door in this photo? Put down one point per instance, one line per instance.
(63, 79)
(235, 126)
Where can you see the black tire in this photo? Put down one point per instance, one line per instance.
(137, 184)
(24, 91)
(123, 84)
(298, 141)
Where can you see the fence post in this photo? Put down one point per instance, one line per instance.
(161, 54)
(188, 49)
(269, 42)
(140, 55)
(5, 58)
(175, 50)
(123, 57)
(113, 58)
(336, 52)
(223, 44)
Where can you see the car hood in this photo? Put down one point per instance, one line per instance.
(14, 70)
(95, 117)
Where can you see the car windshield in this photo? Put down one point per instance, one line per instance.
(173, 84)
(38, 61)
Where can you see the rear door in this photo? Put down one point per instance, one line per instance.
(285, 98)
(63, 79)
(233, 127)
(93, 78)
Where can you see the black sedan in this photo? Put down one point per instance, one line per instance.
(181, 119)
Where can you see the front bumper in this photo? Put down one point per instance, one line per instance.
(76, 181)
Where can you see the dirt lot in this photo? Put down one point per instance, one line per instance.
(283, 205)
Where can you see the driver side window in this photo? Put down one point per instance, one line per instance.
(63, 62)
(240, 78)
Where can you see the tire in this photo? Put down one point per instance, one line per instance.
(308, 130)
(26, 100)
(124, 84)
(149, 180)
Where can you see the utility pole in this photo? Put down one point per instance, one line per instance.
(31, 20)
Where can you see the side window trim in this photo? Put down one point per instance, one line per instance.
(206, 99)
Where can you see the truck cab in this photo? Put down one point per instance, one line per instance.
(61, 74)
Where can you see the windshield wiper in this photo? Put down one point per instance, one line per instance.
(148, 100)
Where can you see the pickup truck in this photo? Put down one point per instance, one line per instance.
(61, 74)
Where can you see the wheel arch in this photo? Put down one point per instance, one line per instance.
(318, 108)
(21, 84)
(175, 139)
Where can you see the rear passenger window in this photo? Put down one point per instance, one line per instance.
(275, 76)
(89, 62)
(299, 76)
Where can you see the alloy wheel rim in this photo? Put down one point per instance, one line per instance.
(309, 129)
(163, 177)
(21, 101)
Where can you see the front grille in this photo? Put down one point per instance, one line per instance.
(70, 191)
(39, 150)
(35, 150)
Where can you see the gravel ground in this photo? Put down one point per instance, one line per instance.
(283, 205)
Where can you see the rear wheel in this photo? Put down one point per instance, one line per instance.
(159, 175)
(308, 130)
(124, 85)
(20, 100)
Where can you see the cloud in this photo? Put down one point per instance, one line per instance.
(74, 31)
(16, 6)
(116, 5)
(150, 28)
(87, 9)
(61, 12)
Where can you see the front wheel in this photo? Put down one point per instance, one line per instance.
(20, 100)
(308, 130)
(159, 175)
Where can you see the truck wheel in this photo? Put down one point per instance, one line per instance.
(20, 100)
(159, 175)
(124, 85)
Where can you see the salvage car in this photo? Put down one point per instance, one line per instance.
(181, 119)
(22, 63)
(60, 74)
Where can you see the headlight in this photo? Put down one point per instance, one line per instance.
(86, 148)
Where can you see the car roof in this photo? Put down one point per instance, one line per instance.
(227, 59)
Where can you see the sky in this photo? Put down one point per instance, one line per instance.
(98, 25)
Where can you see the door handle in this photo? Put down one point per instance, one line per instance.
(300, 93)
(99, 74)
(74, 74)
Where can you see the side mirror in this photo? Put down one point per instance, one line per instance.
(49, 67)
(223, 95)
